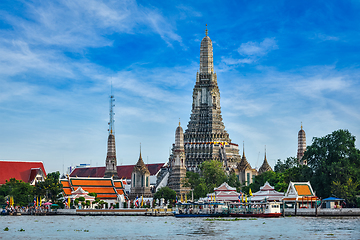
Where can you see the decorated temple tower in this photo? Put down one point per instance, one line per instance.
(111, 169)
(140, 180)
(301, 146)
(177, 164)
(205, 137)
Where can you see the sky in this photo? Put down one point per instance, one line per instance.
(278, 64)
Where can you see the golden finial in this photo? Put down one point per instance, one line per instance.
(206, 30)
(301, 125)
(179, 122)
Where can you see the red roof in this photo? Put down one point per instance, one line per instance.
(20, 170)
(124, 171)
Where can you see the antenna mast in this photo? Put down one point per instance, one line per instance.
(112, 120)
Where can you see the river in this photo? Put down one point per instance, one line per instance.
(136, 227)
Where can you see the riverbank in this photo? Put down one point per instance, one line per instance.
(311, 212)
(105, 212)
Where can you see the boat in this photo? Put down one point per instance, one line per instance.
(201, 209)
(267, 209)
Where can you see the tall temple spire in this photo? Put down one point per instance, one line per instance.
(206, 55)
(206, 126)
(301, 146)
(111, 169)
(177, 164)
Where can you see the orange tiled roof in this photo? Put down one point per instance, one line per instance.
(91, 182)
(303, 190)
(118, 184)
(99, 190)
(104, 188)
(120, 191)
(65, 184)
(67, 191)
(106, 196)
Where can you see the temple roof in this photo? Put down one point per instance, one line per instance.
(267, 193)
(105, 188)
(244, 165)
(124, 171)
(299, 190)
(141, 167)
(224, 187)
(265, 166)
(20, 170)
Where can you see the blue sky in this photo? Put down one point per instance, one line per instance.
(278, 64)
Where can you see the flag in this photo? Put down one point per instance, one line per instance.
(137, 202)
(7, 201)
(214, 197)
(242, 198)
(250, 193)
(11, 201)
(185, 198)
(239, 198)
(176, 199)
(69, 202)
(34, 201)
(246, 198)
(37, 201)
(142, 201)
(181, 199)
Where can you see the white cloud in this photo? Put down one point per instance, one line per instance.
(81, 24)
(251, 51)
(256, 49)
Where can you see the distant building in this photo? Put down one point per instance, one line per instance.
(26, 171)
(205, 137)
(301, 146)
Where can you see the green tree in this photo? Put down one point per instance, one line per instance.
(22, 192)
(51, 188)
(346, 190)
(213, 174)
(165, 192)
(290, 162)
(334, 160)
(233, 181)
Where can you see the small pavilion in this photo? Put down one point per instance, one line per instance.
(300, 195)
(332, 202)
(224, 193)
(267, 193)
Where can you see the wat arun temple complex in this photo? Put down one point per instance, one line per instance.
(205, 137)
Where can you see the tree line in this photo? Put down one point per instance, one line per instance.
(24, 194)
